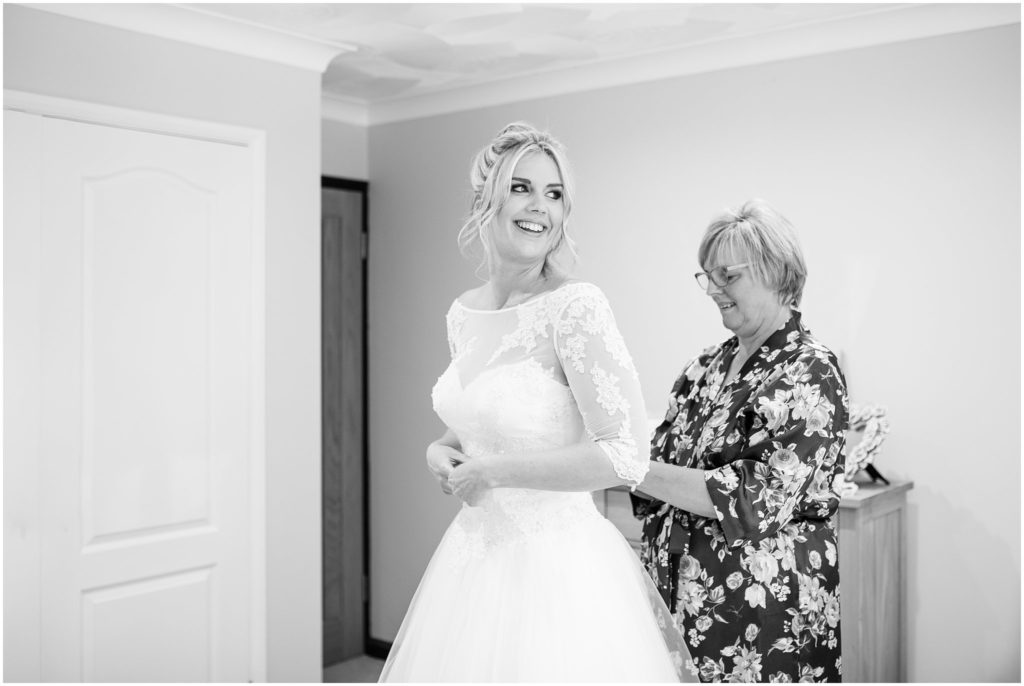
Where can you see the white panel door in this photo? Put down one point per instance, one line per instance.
(140, 293)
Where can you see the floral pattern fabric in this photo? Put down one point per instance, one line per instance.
(756, 588)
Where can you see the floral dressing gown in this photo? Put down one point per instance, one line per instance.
(757, 588)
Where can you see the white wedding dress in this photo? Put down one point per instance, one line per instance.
(536, 585)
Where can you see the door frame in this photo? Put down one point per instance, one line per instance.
(363, 187)
(20, 465)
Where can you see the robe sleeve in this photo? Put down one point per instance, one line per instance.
(794, 451)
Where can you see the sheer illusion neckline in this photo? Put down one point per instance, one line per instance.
(512, 308)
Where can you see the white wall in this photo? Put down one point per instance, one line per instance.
(899, 166)
(344, 150)
(53, 55)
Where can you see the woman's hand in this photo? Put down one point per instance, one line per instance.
(441, 459)
(471, 480)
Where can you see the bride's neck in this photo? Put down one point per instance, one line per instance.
(508, 285)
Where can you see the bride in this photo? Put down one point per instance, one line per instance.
(543, 405)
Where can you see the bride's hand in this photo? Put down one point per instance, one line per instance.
(470, 480)
(441, 459)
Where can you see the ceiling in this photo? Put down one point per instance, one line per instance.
(406, 50)
(385, 62)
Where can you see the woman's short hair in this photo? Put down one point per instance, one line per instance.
(491, 180)
(769, 243)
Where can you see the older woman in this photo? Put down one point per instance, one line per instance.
(740, 530)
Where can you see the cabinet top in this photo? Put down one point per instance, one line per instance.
(869, 491)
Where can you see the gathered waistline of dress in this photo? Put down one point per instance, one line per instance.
(505, 515)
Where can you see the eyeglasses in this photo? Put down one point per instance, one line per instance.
(719, 276)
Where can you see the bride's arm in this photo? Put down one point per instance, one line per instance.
(682, 487)
(606, 387)
(579, 467)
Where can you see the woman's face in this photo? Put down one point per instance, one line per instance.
(746, 304)
(529, 224)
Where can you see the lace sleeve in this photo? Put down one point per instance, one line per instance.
(604, 381)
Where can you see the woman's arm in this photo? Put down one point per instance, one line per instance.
(666, 483)
(792, 456)
(580, 467)
(442, 456)
(681, 487)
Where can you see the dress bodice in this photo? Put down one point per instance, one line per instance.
(545, 374)
(511, 408)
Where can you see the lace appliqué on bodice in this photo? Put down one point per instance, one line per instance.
(455, 319)
(533, 324)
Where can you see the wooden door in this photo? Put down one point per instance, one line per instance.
(130, 299)
(343, 410)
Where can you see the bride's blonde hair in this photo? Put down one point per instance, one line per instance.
(491, 180)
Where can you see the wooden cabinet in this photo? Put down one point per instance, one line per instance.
(873, 582)
(872, 575)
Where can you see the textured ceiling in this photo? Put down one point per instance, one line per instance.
(410, 49)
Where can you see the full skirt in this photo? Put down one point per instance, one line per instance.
(563, 603)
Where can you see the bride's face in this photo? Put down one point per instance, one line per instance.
(529, 224)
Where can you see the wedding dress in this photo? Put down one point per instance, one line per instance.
(533, 585)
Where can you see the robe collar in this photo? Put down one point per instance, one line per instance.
(778, 340)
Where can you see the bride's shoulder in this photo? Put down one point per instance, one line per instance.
(574, 299)
(574, 288)
(473, 298)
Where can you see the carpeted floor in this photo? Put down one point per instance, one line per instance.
(359, 670)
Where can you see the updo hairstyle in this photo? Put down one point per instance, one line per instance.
(491, 179)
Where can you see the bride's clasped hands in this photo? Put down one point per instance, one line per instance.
(457, 474)
(470, 480)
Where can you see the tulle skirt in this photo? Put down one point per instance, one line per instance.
(565, 602)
